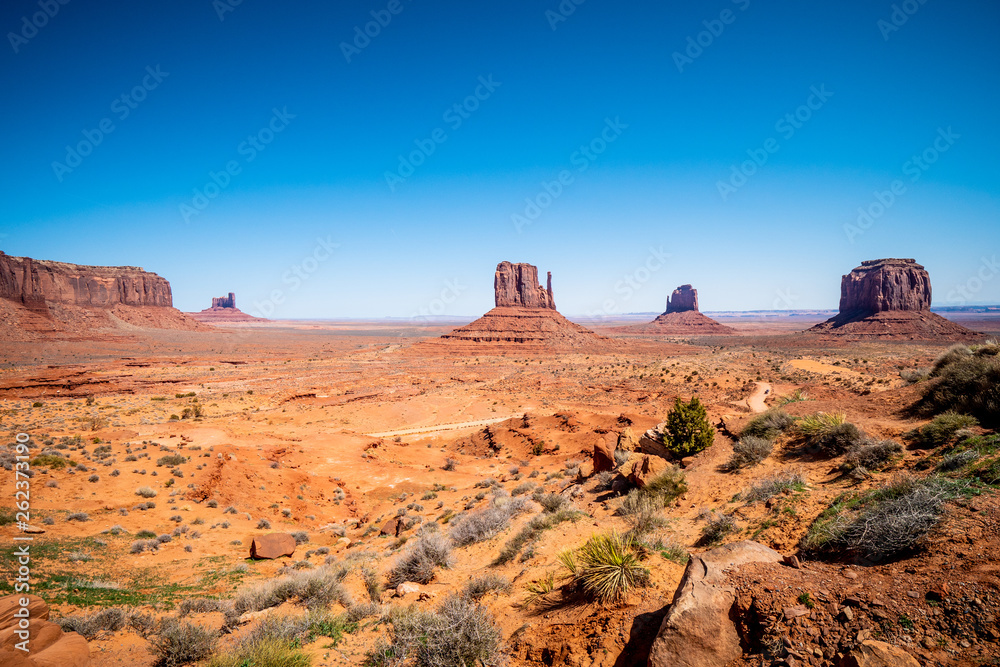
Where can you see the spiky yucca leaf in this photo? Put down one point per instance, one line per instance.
(608, 567)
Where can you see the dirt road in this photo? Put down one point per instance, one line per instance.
(756, 400)
(441, 427)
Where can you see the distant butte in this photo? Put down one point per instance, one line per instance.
(682, 318)
(224, 310)
(525, 315)
(889, 298)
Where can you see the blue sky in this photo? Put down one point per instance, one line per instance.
(646, 143)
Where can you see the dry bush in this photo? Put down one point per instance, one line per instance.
(872, 455)
(772, 485)
(749, 451)
(459, 632)
(421, 558)
(768, 425)
(479, 587)
(90, 625)
(485, 523)
(176, 643)
(316, 588)
(965, 380)
(717, 527)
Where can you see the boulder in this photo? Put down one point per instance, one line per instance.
(391, 527)
(272, 545)
(639, 469)
(49, 645)
(698, 630)
(627, 441)
(604, 452)
(878, 654)
(405, 588)
(586, 470)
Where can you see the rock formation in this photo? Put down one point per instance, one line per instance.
(224, 310)
(682, 299)
(48, 645)
(889, 298)
(682, 318)
(525, 315)
(272, 545)
(224, 301)
(40, 298)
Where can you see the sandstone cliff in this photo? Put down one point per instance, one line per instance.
(682, 299)
(516, 285)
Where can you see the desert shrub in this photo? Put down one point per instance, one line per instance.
(830, 433)
(176, 643)
(987, 472)
(958, 460)
(317, 588)
(78, 516)
(914, 375)
(201, 606)
(551, 502)
(54, 461)
(301, 536)
(449, 464)
(768, 425)
(607, 567)
(520, 489)
(749, 451)
(667, 486)
(718, 525)
(487, 522)
(643, 512)
(275, 641)
(941, 429)
(373, 585)
(479, 587)
(145, 492)
(90, 625)
(459, 632)
(872, 455)
(967, 381)
(770, 486)
(687, 430)
(421, 558)
(882, 522)
(532, 532)
(263, 524)
(358, 612)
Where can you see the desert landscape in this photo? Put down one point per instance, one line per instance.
(521, 489)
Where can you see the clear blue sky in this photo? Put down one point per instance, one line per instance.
(777, 240)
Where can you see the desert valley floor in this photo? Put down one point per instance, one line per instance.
(336, 428)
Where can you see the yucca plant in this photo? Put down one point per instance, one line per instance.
(819, 423)
(607, 567)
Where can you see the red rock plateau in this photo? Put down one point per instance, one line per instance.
(889, 298)
(682, 318)
(525, 316)
(44, 299)
(224, 311)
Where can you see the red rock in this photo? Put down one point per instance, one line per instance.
(272, 545)
(49, 645)
(681, 318)
(889, 298)
(516, 285)
(878, 654)
(391, 527)
(682, 299)
(224, 310)
(224, 301)
(640, 469)
(604, 453)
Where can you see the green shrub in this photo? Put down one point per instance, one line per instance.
(687, 429)
(830, 433)
(607, 567)
(668, 486)
(967, 381)
(749, 451)
(768, 425)
(940, 430)
(53, 461)
(171, 460)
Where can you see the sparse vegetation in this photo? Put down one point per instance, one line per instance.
(487, 522)
(718, 525)
(872, 455)
(606, 567)
(773, 485)
(176, 643)
(831, 434)
(420, 560)
(768, 425)
(941, 429)
(481, 586)
(965, 380)
(749, 451)
(145, 492)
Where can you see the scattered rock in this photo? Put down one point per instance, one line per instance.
(392, 527)
(272, 545)
(604, 453)
(640, 469)
(878, 654)
(405, 588)
(698, 630)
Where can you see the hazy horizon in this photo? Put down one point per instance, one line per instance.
(620, 125)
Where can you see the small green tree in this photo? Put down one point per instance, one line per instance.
(688, 430)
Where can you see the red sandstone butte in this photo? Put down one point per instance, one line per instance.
(681, 318)
(224, 310)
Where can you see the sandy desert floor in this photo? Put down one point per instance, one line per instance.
(335, 428)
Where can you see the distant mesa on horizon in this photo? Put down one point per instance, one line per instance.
(525, 315)
(889, 298)
(42, 298)
(681, 318)
(224, 310)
